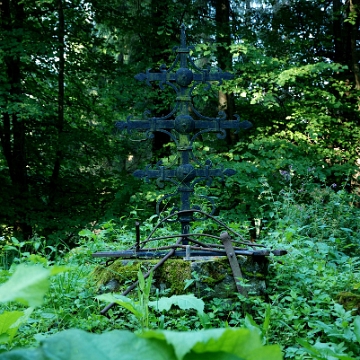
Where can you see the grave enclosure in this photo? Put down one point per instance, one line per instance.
(228, 260)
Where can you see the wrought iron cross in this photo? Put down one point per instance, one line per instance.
(183, 76)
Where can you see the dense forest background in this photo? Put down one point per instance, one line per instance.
(67, 75)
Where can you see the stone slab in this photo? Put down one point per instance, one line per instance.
(208, 277)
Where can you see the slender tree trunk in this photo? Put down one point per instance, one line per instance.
(13, 128)
(248, 13)
(224, 57)
(223, 33)
(160, 12)
(5, 130)
(60, 100)
(354, 32)
(337, 31)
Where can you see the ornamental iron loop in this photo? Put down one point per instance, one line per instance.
(183, 76)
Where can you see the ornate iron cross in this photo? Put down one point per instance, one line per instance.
(183, 76)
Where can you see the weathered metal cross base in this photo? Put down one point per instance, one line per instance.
(198, 250)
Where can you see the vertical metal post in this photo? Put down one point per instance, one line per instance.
(137, 229)
(187, 252)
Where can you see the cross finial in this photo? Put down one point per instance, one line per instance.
(183, 36)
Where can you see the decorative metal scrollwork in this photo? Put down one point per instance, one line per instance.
(184, 124)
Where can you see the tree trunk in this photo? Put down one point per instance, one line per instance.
(60, 101)
(224, 57)
(354, 32)
(13, 128)
(337, 31)
(159, 45)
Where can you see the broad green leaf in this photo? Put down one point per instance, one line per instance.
(8, 325)
(144, 286)
(181, 341)
(9, 247)
(25, 317)
(141, 279)
(123, 301)
(27, 285)
(251, 324)
(357, 328)
(4, 338)
(33, 354)
(322, 351)
(54, 270)
(79, 345)
(268, 352)
(214, 344)
(266, 322)
(243, 343)
(311, 349)
(10, 321)
(86, 233)
(188, 282)
(184, 302)
(219, 355)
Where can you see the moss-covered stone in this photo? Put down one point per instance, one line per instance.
(215, 278)
(350, 301)
(210, 277)
(172, 275)
(124, 272)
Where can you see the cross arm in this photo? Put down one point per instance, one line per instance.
(202, 75)
(182, 173)
(160, 173)
(161, 76)
(152, 124)
(206, 76)
(207, 173)
(220, 124)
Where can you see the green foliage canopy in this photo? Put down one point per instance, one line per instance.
(67, 75)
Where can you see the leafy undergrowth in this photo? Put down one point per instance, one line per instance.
(311, 309)
(215, 344)
(29, 284)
